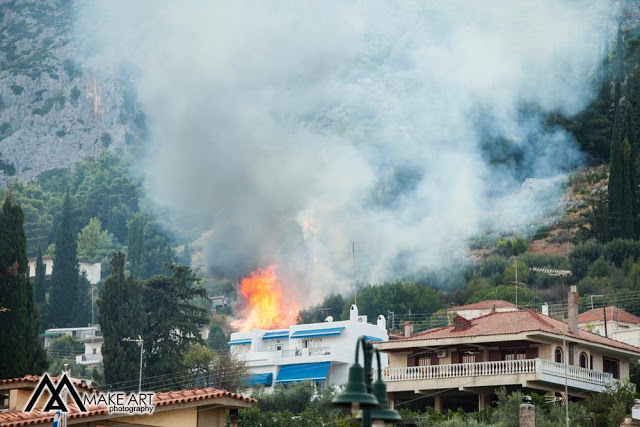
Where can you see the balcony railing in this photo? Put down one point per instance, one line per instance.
(503, 367)
(88, 358)
(576, 373)
(320, 351)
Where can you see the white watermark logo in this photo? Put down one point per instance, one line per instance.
(116, 402)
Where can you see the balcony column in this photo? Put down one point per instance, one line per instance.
(437, 402)
(484, 399)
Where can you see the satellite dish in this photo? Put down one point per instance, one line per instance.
(329, 319)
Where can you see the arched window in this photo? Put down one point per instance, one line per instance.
(558, 355)
(583, 360)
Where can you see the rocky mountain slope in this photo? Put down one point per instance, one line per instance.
(53, 110)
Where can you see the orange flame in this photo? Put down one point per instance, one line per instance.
(266, 306)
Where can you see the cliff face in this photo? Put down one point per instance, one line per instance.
(53, 110)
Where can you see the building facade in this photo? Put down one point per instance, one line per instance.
(462, 364)
(93, 270)
(320, 352)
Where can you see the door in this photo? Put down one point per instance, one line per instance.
(611, 366)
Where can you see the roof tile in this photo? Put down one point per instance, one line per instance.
(515, 322)
(613, 313)
(20, 418)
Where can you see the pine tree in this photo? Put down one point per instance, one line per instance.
(170, 307)
(64, 279)
(22, 352)
(121, 316)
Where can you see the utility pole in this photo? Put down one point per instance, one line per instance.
(140, 343)
(591, 297)
(562, 274)
(353, 257)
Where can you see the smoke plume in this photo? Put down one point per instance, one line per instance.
(292, 128)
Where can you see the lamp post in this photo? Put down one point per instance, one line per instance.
(562, 274)
(360, 393)
(140, 343)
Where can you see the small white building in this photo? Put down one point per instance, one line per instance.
(618, 320)
(77, 333)
(320, 352)
(92, 269)
(482, 308)
(92, 351)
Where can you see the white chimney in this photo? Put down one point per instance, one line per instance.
(408, 329)
(353, 313)
(382, 323)
(545, 309)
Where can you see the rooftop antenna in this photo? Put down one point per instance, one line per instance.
(515, 262)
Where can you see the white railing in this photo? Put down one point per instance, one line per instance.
(503, 367)
(320, 351)
(295, 352)
(88, 358)
(575, 372)
(251, 357)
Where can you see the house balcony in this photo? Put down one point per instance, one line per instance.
(534, 373)
(88, 359)
(283, 357)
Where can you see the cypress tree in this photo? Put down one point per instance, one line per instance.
(135, 244)
(619, 70)
(121, 316)
(64, 279)
(634, 140)
(40, 286)
(22, 352)
(621, 193)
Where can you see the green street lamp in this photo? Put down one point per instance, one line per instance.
(361, 394)
(382, 414)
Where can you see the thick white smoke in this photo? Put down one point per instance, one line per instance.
(369, 119)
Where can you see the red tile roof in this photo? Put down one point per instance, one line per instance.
(20, 418)
(484, 305)
(515, 322)
(182, 396)
(36, 379)
(613, 313)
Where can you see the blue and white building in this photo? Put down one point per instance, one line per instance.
(320, 352)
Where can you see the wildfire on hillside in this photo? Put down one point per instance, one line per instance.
(265, 305)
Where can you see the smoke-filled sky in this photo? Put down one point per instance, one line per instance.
(368, 119)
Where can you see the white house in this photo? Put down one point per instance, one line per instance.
(92, 269)
(78, 333)
(320, 352)
(92, 350)
(618, 320)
